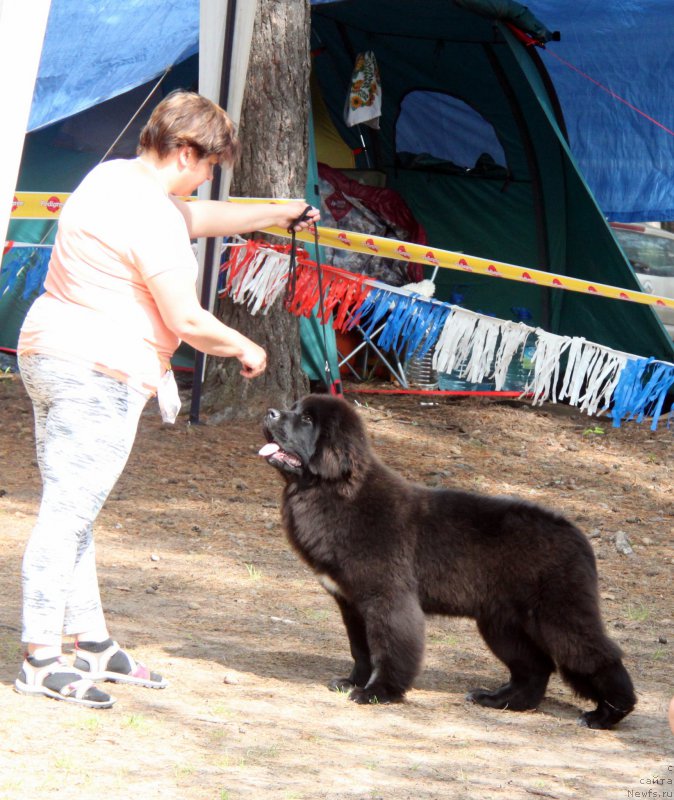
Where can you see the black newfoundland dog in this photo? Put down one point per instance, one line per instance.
(390, 551)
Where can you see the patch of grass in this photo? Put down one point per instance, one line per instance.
(257, 755)
(597, 430)
(637, 613)
(136, 722)
(227, 761)
(253, 572)
(64, 763)
(14, 785)
(91, 724)
(220, 710)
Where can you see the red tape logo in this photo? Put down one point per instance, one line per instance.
(52, 205)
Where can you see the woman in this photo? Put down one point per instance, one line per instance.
(119, 297)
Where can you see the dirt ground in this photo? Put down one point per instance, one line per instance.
(198, 579)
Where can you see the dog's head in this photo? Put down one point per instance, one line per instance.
(320, 437)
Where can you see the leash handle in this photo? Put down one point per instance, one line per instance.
(303, 217)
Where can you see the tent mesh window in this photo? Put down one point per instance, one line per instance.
(435, 129)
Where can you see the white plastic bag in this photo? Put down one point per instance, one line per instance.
(168, 397)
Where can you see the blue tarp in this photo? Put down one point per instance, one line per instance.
(94, 51)
(97, 50)
(626, 46)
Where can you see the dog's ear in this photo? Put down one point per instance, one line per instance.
(341, 451)
(332, 461)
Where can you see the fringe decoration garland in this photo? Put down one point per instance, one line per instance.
(479, 348)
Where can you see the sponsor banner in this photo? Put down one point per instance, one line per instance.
(38, 205)
(47, 205)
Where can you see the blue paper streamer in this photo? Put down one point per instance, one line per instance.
(642, 391)
(31, 262)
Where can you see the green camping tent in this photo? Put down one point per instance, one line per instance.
(472, 136)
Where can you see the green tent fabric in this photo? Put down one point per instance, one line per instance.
(524, 203)
(318, 341)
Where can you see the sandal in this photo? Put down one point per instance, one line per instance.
(106, 661)
(55, 678)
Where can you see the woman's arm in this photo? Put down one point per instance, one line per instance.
(176, 298)
(222, 218)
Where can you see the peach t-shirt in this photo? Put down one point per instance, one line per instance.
(117, 229)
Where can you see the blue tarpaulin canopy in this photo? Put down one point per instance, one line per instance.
(95, 51)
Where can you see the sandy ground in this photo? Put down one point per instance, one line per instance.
(198, 580)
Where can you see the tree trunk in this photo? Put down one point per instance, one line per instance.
(274, 135)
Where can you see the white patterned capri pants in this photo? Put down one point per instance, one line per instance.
(85, 425)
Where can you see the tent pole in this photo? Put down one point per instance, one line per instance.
(210, 252)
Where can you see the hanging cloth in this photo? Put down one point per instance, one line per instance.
(363, 102)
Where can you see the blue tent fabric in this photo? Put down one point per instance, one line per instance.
(95, 51)
(627, 48)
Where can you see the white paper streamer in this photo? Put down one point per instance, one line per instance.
(261, 282)
(546, 361)
(514, 336)
(591, 375)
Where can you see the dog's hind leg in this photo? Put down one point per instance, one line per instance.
(610, 687)
(530, 668)
(355, 629)
(395, 635)
(591, 663)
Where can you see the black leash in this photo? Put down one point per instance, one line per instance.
(334, 387)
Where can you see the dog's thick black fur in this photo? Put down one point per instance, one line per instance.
(391, 551)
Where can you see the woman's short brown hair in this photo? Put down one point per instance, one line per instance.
(187, 118)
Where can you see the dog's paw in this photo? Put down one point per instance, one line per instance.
(482, 697)
(374, 695)
(341, 685)
(596, 720)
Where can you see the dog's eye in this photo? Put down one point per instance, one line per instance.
(307, 419)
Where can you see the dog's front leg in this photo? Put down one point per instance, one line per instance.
(355, 629)
(395, 628)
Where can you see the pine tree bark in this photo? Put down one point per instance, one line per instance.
(274, 136)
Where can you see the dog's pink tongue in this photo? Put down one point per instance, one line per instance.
(268, 449)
